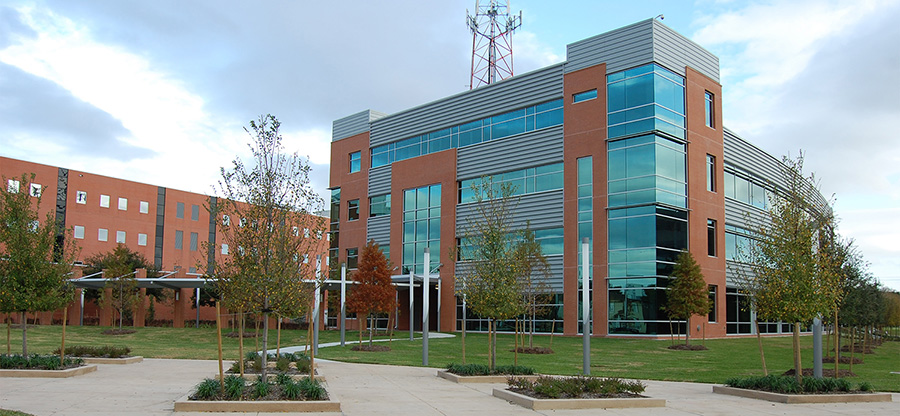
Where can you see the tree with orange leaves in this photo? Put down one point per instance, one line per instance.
(373, 292)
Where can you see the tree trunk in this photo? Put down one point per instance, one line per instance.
(531, 331)
(492, 328)
(62, 348)
(8, 346)
(516, 345)
(687, 332)
(671, 332)
(552, 331)
(798, 370)
(762, 355)
(837, 345)
(464, 341)
(371, 328)
(24, 336)
(241, 340)
(219, 346)
(265, 343)
(278, 339)
(852, 346)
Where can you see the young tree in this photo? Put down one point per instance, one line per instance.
(34, 263)
(792, 277)
(121, 286)
(373, 292)
(266, 215)
(688, 293)
(501, 257)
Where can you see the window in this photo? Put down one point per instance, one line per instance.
(710, 173)
(647, 169)
(712, 303)
(584, 96)
(524, 181)
(142, 239)
(35, 190)
(195, 212)
(192, 270)
(103, 234)
(306, 233)
(709, 110)
(81, 197)
(145, 207)
(179, 237)
(226, 220)
(380, 205)
(123, 204)
(352, 209)
(354, 162)
(643, 99)
(194, 237)
(179, 210)
(78, 232)
(352, 257)
(225, 249)
(120, 237)
(104, 201)
(711, 237)
(421, 228)
(306, 259)
(12, 186)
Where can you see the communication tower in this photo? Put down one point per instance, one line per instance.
(492, 53)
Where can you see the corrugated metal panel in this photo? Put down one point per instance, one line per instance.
(380, 180)
(354, 124)
(638, 44)
(379, 229)
(517, 92)
(554, 281)
(543, 210)
(743, 215)
(530, 149)
(736, 273)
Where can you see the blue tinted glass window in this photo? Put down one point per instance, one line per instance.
(584, 96)
(355, 162)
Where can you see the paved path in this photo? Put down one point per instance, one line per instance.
(151, 387)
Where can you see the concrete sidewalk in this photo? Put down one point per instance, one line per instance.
(151, 387)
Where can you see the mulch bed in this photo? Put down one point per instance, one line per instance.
(238, 334)
(844, 360)
(858, 349)
(118, 331)
(682, 347)
(370, 348)
(533, 350)
(826, 372)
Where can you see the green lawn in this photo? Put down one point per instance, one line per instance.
(630, 358)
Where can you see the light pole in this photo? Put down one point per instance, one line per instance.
(426, 280)
(343, 300)
(585, 308)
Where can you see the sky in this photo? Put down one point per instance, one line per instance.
(159, 91)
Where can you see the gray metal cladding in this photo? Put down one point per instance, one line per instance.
(641, 43)
(534, 148)
(160, 226)
(380, 180)
(540, 210)
(736, 273)
(743, 215)
(379, 229)
(554, 281)
(354, 124)
(517, 92)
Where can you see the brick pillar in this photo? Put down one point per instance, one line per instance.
(181, 303)
(75, 308)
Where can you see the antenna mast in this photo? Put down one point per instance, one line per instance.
(492, 29)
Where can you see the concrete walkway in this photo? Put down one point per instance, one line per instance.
(151, 387)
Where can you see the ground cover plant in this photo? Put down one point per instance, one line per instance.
(283, 388)
(290, 363)
(37, 362)
(4, 412)
(789, 385)
(578, 387)
(484, 370)
(103, 351)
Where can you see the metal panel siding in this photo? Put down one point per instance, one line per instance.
(736, 273)
(543, 210)
(639, 44)
(380, 180)
(535, 148)
(379, 229)
(353, 124)
(517, 92)
(743, 215)
(554, 281)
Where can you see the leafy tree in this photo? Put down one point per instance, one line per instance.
(792, 277)
(501, 257)
(121, 285)
(264, 214)
(688, 293)
(373, 292)
(34, 263)
(124, 259)
(891, 315)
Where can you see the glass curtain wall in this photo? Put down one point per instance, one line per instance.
(647, 190)
(421, 228)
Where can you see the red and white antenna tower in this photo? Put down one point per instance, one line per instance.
(492, 29)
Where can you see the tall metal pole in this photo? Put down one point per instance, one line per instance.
(817, 348)
(316, 305)
(411, 310)
(81, 310)
(426, 282)
(197, 306)
(585, 308)
(343, 301)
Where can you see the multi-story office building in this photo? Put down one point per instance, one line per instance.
(622, 143)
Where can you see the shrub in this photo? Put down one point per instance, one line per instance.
(290, 390)
(312, 390)
(234, 386)
(282, 379)
(96, 351)
(517, 370)
(483, 370)
(207, 389)
(261, 388)
(578, 386)
(789, 385)
(283, 363)
(37, 362)
(866, 386)
(302, 362)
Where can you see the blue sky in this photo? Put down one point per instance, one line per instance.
(158, 91)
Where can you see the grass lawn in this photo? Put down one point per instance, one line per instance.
(627, 358)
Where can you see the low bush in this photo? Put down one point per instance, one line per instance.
(576, 387)
(283, 378)
(208, 389)
(483, 370)
(37, 362)
(234, 386)
(261, 388)
(312, 390)
(290, 390)
(106, 351)
(789, 385)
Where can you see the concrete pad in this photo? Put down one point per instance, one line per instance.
(69, 372)
(804, 398)
(125, 360)
(553, 404)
